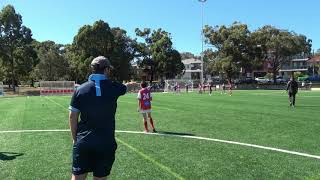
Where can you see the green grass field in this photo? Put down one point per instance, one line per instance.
(255, 117)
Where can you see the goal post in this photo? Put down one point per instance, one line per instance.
(56, 88)
(178, 85)
(1, 89)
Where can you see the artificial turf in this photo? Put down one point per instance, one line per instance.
(255, 117)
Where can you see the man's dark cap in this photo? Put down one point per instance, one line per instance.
(101, 62)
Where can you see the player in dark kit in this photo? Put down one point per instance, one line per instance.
(94, 143)
(210, 88)
(292, 89)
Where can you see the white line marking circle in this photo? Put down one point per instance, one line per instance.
(182, 136)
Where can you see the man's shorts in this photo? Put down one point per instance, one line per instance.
(143, 111)
(88, 158)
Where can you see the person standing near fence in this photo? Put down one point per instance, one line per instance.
(94, 143)
(292, 89)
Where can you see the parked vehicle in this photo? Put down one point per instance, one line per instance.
(313, 78)
(262, 80)
(248, 80)
(280, 80)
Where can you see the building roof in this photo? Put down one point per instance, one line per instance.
(299, 60)
(314, 59)
(293, 70)
(191, 71)
(191, 61)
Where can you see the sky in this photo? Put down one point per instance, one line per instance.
(60, 20)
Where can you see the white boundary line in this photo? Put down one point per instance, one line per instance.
(184, 136)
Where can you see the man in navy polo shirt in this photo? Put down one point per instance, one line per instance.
(93, 137)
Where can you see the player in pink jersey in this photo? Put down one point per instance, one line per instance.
(144, 105)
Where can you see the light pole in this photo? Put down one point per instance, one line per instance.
(313, 64)
(202, 39)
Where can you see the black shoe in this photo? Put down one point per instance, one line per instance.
(154, 131)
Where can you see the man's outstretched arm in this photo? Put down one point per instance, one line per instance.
(73, 123)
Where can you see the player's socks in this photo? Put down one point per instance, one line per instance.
(145, 126)
(151, 122)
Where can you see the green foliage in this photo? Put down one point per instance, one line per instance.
(233, 48)
(317, 53)
(187, 55)
(157, 55)
(278, 46)
(269, 75)
(16, 52)
(100, 39)
(52, 66)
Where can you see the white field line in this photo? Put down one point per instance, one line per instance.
(184, 136)
(56, 103)
(150, 159)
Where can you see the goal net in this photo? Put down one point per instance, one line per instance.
(56, 88)
(1, 89)
(178, 85)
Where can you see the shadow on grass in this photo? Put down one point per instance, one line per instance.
(175, 133)
(308, 106)
(8, 156)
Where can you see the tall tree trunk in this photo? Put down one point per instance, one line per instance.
(274, 75)
(152, 74)
(12, 72)
(229, 81)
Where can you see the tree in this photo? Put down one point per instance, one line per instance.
(16, 52)
(157, 54)
(279, 46)
(234, 49)
(187, 55)
(52, 64)
(317, 53)
(101, 40)
(122, 54)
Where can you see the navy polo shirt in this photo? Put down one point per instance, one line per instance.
(96, 100)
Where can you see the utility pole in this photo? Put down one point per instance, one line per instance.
(202, 39)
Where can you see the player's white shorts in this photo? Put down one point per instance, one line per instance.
(143, 111)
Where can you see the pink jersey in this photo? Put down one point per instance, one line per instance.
(145, 98)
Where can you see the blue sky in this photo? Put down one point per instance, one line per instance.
(60, 20)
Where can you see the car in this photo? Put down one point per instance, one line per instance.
(262, 80)
(280, 80)
(248, 80)
(313, 78)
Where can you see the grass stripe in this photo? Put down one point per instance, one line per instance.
(167, 169)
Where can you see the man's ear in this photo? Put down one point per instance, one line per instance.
(107, 71)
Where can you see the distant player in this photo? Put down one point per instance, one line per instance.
(223, 89)
(230, 89)
(292, 89)
(175, 88)
(200, 88)
(210, 88)
(187, 88)
(144, 106)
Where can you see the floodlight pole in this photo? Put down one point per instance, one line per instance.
(202, 39)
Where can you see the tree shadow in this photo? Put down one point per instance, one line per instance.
(175, 133)
(8, 156)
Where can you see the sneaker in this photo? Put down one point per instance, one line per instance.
(146, 131)
(154, 131)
